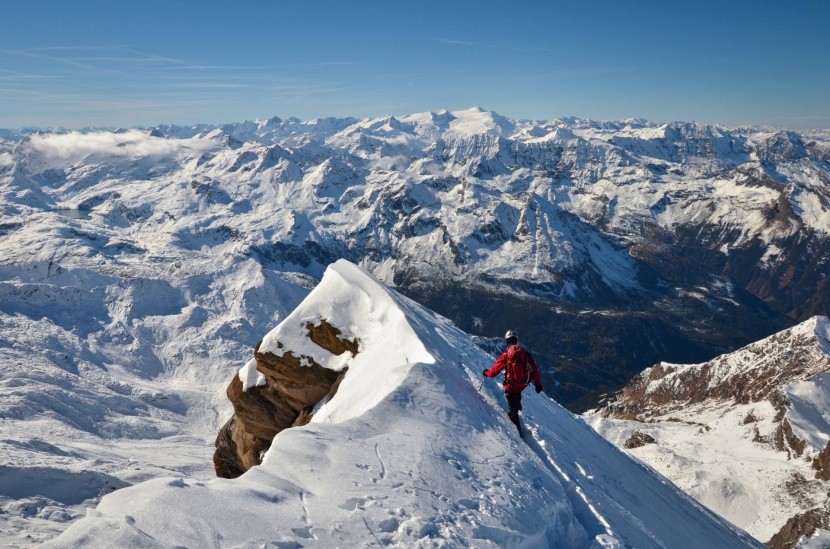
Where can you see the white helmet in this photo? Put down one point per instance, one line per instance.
(510, 334)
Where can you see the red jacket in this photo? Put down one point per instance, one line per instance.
(514, 360)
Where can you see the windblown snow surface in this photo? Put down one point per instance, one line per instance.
(413, 450)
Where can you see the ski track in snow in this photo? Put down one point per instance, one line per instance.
(382, 464)
(587, 515)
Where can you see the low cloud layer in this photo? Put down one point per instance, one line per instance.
(77, 145)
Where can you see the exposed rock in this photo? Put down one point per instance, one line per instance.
(750, 418)
(294, 386)
(803, 524)
(781, 404)
(786, 441)
(226, 461)
(639, 439)
(328, 337)
(758, 437)
(821, 463)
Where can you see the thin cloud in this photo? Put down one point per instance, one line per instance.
(76, 48)
(530, 49)
(224, 67)
(155, 57)
(511, 47)
(119, 85)
(589, 71)
(209, 85)
(453, 42)
(113, 59)
(34, 55)
(290, 91)
(13, 76)
(336, 64)
(117, 55)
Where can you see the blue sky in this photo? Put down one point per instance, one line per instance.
(96, 63)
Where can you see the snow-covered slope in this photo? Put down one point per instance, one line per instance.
(411, 451)
(745, 434)
(113, 366)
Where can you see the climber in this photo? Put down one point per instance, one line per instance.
(520, 368)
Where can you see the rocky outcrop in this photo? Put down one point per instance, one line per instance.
(803, 524)
(821, 463)
(763, 397)
(639, 439)
(786, 441)
(294, 385)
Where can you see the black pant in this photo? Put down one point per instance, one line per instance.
(514, 403)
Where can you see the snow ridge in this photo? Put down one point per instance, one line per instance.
(434, 460)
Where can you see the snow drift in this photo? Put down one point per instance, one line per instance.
(412, 450)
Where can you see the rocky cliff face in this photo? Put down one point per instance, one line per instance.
(285, 396)
(747, 433)
(799, 526)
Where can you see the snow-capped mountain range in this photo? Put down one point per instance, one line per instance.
(747, 434)
(675, 221)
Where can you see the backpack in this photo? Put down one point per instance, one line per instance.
(518, 369)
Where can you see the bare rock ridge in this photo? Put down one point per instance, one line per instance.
(822, 463)
(757, 374)
(294, 385)
(764, 378)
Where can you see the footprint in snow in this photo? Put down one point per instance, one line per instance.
(388, 525)
(468, 503)
(353, 503)
(304, 532)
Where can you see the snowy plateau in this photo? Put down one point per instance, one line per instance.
(139, 268)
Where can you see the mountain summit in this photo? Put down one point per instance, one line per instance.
(412, 449)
